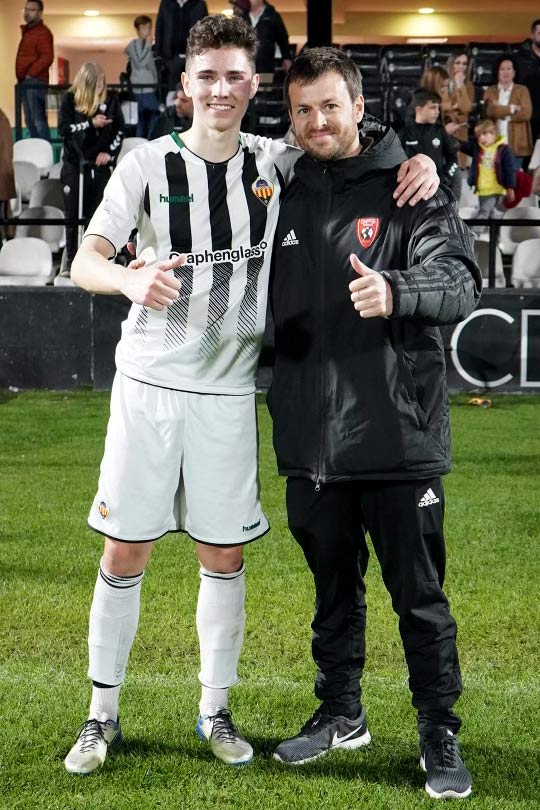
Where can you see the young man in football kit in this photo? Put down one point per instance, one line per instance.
(369, 453)
(205, 205)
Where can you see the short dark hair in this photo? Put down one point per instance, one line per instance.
(142, 19)
(218, 31)
(504, 57)
(534, 24)
(421, 97)
(39, 3)
(315, 62)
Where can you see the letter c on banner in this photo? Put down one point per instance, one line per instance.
(496, 313)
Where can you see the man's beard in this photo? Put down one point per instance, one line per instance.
(341, 145)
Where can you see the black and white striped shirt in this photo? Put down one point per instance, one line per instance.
(223, 215)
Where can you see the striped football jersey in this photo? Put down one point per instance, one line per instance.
(223, 216)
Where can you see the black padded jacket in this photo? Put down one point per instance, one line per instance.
(353, 398)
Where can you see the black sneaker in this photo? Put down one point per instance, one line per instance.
(446, 775)
(323, 733)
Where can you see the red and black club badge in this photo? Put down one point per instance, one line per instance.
(367, 229)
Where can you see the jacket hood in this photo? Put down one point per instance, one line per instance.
(381, 149)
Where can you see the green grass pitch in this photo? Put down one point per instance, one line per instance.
(50, 448)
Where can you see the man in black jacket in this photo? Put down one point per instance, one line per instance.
(360, 407)
(528, 58)
(271, 31)
(174, 21)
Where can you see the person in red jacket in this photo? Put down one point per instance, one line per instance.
(34, 57)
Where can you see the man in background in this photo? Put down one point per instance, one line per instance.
(35, 55)
(174, 21)
(528, 58)
(142, 69)
(271, 31)
(177, 117)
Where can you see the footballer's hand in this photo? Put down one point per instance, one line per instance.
(417, 180)
(371, 294)
(153, 285)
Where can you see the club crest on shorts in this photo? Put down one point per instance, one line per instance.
(367, 229)
(263, 189)
(104, 510)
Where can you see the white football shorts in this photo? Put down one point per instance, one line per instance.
(179, 461)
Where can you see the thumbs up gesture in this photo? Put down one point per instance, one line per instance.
(371, 293)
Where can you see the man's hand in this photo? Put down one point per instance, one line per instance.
(371, 294)
(152, 284)
(103, 159)
(510, 195)
(417, 180)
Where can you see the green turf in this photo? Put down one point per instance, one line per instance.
(50, 448)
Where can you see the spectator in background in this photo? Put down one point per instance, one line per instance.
(509, 104)
(271, 31)
(35, 55)
(461, 93)
(7, 177)
(437, 80)
(528, 58)
(177, 117)
(91, 124)
(426, 135)
(175, 20)
(492, 174)
(142, 69)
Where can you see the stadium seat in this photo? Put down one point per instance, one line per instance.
(48, 192)
(440, 54)
(27, 175)
(481, 251)
(26, 262)
(54, 235)
(34, 150)
(15, 204)
(128, 144)
(526, 264)
(402, 63)
(510, 237)
(397, 100)
(468, 199)
(468, 212)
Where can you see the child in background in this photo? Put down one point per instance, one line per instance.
(427, 135)
(143, 69)
(492, 174)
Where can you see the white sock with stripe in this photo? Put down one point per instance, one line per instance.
(221, 618)
(114, 617)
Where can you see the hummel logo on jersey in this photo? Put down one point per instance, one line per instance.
(290, 239)
(428, 498)
(176, 198)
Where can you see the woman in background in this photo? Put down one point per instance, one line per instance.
(509, 105)
(461, 93)
(91, 125)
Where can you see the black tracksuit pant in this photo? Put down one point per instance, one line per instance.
(408, 539)
(95, 180)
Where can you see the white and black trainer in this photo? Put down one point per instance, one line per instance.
(94, 738)
(446, 775)
(323, 733)
(225, 740)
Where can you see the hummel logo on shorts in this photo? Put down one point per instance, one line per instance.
(290, 239)
(428, 498)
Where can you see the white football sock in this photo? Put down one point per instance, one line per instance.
(105, 702)
(114, 617)
(213, 701)
(220, 624)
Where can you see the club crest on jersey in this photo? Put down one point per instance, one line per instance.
(263, 189)
(367, 229)
(104, 510)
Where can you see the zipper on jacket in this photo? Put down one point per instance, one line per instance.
(322, 336)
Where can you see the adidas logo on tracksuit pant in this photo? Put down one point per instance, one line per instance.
(428, 498)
